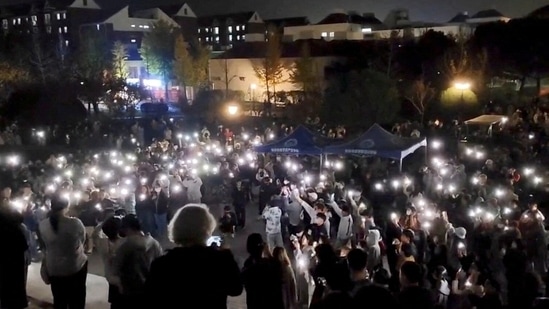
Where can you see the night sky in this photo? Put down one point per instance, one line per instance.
(420, 10)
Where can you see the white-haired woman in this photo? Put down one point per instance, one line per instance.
(193, 273)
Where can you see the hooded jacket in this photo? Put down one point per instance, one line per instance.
(374, 251)
(133, 260)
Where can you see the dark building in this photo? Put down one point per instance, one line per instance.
(58, 21)
(221, 32)
(279, 24)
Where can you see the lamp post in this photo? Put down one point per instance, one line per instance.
(462, 85)
(252, 88)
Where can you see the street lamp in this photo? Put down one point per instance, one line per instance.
(232, 109)
(252, 88)
(463, 86)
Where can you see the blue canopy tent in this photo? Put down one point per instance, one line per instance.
(379, 142)
(300, 142)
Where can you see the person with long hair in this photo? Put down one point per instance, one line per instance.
(66, 264)
(289, 286)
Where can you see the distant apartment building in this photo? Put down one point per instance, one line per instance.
(49, 20)
(336, 26)
(222, 32)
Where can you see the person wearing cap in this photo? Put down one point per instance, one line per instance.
(65, 263)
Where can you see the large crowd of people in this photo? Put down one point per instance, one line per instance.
(459, 229)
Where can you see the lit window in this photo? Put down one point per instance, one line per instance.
(140, 26)
(5, 24)
(217, 39)
(64, 15)
(207, 39)
(34, 20)
(146, 26)
(243, 37)
(133, 40)
(244, 26)
(66, 42)
(18, 21)
(230, 37)
(48, 29)
(199, 39)
(47, 19)
(238, 37)
(207, 29)
(133, 26)
(98, 27)
(237, 28)
(230, 29)
(216, 30)
(198, 30)
(324, 34)
(58, 16)
(14, 21)
(366, 30)
(65, 29)
(332, 34)
(60, 30)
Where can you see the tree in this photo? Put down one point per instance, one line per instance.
(361, 98)
(183, 63)
(420, 94)
(119, 58)
(157, 50)
(305, 75)
(190, 64)
(41, 58)
(92, 67)
(11, 77)
(271, 69)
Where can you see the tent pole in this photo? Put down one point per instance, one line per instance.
(321, 164)
(400, 166)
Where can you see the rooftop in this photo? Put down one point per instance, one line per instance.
(343, 18)
(491, 13)
(238, 18)
(318, 48)
(542, 12)
(289, 22)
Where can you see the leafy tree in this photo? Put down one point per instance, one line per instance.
(119, 58)
(183, 63)
(305, 75)
(270, 71)
(459, 62)
(157, 50)
(92, 67)
(11, 76)
(361, 98)
(420, 95)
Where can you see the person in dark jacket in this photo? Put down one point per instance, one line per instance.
(192, 275)
(160, 200)
(261, 276)
(412, 295)
(266, 191)
(13, 261)
(240, 199)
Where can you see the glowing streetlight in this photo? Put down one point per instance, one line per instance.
(232, 110)
(462, 85)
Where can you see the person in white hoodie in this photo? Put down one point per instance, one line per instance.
(374, 251)
(133, 260)
(345, 228)
(272, 215)
(193, 185)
